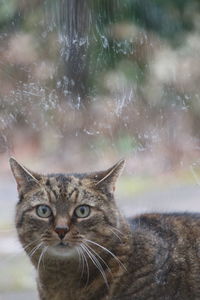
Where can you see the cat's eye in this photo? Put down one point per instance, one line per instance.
(82, 211)
(43, 211)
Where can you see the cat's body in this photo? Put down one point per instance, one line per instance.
(162, 261)
(84, 249)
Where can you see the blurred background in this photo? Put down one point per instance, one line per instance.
(84, 83)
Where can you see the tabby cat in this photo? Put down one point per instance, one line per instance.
(84, 249)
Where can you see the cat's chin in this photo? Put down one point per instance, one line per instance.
(62, 250)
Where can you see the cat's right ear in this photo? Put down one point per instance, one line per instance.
(25, 179)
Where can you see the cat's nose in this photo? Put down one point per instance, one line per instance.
(61, 231)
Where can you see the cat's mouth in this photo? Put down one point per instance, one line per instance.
(63, 244)
(62, 248)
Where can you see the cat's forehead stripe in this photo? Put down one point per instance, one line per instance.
(63, 187)
(62, 180)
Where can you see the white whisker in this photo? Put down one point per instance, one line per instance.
(95, 253)
(81, 261)
(116, 234)
(40, 258)
(96, 263)
(37, 247)
(79, 257)
(86, 262)
(29, 244)
(114, 228)
(105, 249)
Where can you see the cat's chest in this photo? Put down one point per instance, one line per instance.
(62, 286)
(67, 293)
(59, 289)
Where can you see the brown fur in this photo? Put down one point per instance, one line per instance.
(105, 256)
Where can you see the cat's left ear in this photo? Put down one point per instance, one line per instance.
(25, 179)
(106, 180)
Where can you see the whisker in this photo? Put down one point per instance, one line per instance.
(105, 249)
(95, 253)
(29, 244)
(86, 262)
(45, 251)
(96, 263)
(8, 259)
(114, 228)
(19, 251)
(81, 261)
(79, 257)
(40, 258)
(37, 247)
(116, 234)
(32, 242)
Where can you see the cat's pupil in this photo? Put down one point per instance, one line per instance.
(82, 210)
(44, 210)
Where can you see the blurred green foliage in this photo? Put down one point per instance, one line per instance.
(170, 20)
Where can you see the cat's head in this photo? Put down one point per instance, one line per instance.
(61, 212)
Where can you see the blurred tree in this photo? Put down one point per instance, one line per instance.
(75, 21)
(82, 24)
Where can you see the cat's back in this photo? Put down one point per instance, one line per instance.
(165, 224)
(166, 256)
(178, 234)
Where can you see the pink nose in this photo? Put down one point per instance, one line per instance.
(61, 231)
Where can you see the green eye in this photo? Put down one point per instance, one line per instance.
(82, 211)
(43, 211)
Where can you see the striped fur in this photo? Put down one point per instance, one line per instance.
(103, 256)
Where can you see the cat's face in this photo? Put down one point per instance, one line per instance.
(60, 213)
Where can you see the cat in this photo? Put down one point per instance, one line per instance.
(83, 248)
